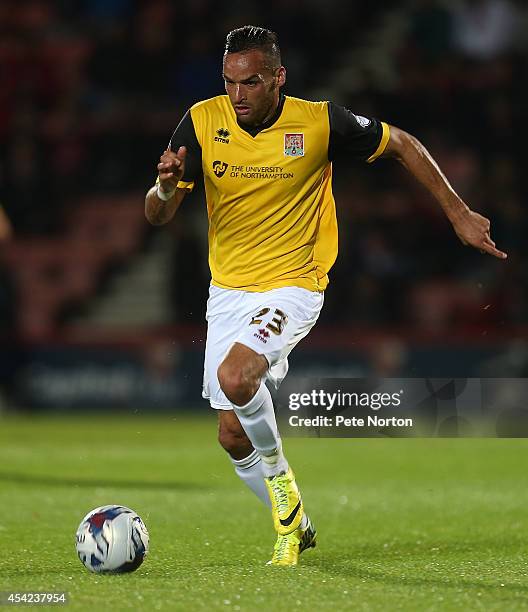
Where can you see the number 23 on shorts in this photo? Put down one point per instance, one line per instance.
(277, 323)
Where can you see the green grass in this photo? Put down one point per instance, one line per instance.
(404, 524)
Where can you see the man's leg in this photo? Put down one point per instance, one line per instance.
(225, 316)
(247, 461)
(241, 376)
(247, 464)
(264, 334)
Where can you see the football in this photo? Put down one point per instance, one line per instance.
(112, 539)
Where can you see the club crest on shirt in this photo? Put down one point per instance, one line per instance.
(294, 145)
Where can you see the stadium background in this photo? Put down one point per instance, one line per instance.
(100, 309)
(101, 315)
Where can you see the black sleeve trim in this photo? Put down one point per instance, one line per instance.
(185, 136)
(352, 136)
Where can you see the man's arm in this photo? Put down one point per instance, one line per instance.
(163, 200)
(159, 212)
(472, 229)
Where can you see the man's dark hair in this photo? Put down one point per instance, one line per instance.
(251, 37)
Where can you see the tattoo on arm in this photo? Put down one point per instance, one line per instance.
(158, 212)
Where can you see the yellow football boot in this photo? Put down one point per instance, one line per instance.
(286, 502)
(288, 547)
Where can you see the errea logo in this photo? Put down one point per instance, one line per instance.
(262, 335)
(222, 135)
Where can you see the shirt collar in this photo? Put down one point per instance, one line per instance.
(254, 130)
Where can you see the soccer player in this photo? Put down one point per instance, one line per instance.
(266, 161)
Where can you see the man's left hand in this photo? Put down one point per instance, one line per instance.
(474, 230)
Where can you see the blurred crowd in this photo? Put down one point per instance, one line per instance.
(92, 90)
(456, 82)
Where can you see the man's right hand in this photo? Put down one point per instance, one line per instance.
(171, 169)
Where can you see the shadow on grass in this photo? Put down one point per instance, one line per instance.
(355, 564)
(60, 481)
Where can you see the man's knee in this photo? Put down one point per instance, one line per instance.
(240, 374)
(233, 438)
(233, 382)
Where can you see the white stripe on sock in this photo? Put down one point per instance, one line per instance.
(249, 470)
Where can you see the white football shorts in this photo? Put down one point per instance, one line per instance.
(271, 323)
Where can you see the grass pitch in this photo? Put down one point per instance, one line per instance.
(404, 524)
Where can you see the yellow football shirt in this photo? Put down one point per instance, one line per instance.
(272, 220)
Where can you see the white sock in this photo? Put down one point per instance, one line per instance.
(274, 464)
(257, 418)
(250, 471)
